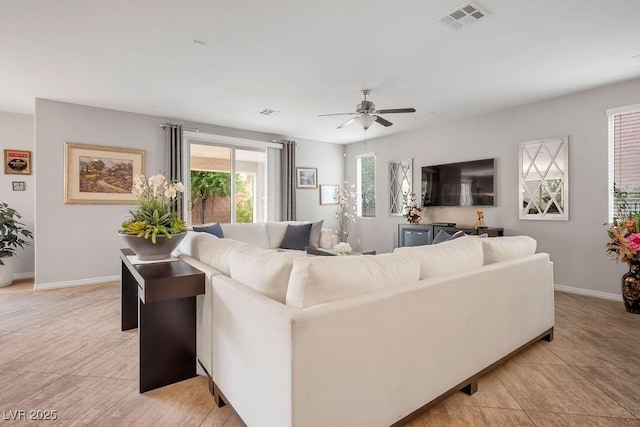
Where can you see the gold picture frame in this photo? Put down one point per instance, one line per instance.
(97, 174)
(17, 162)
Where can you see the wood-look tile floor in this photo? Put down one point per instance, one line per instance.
(63, 350)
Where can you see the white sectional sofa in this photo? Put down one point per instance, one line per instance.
(292, 340)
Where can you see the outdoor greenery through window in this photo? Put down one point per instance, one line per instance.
(366, 186)
(624, 162)
(215, 197)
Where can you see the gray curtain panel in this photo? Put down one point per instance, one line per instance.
(174, 142)
(288, 181)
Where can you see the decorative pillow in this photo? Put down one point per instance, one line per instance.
(505, 248)
(314, 236)
(443, 236)
(296, 237)
(265, 270)
(326, 238)
(451, 257)
(214, 229)
(317, 280)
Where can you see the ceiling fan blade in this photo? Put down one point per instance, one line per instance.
(397, 110)
(337, 114)
(383, 122)
(348, 122)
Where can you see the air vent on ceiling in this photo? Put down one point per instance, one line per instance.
(268, 112)
(463, 15)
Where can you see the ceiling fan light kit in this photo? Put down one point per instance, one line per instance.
(366, 113)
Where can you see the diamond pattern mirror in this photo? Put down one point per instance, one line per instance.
(400, 173)
(544, 179)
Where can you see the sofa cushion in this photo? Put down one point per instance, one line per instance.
(214, 229)
(265, 270)
(505, 248)
(210, 249)
(314, 235)
(316, 280)
(451, 257)
(296, 237)
(254, 233)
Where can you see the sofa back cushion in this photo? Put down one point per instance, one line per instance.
(451, 257)
(498, 249)
(265, 270)
(253, 233)
(210, 249)
(316, 280)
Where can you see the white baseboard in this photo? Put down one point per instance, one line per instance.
(72, 283)
(28, 275)
(588, 292)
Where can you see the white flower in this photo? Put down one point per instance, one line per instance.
(342, 248)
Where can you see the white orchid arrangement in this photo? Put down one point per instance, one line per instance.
(155, 215)
(342, 248)
(346, 213)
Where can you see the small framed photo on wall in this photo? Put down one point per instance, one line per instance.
(17, 162)
(18, 186)
(328, 194)
(307, 177)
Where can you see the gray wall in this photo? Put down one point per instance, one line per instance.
(17, 134)
(577, 246)
(78, 244)
(328, 158)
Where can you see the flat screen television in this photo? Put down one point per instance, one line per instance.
(459, 184)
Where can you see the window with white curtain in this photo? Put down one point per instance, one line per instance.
(624, 161)
(366, 185)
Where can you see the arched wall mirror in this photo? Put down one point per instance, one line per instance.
(544, 179)
(400, 174)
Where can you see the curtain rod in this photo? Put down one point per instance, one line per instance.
(164, 125)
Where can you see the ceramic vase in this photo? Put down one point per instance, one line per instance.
(631, 287)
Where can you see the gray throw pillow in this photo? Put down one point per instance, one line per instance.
(214, 229)
(442, 236)
(314, 236)
(296, 237)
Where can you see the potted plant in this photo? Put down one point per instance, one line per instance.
(12, 236)
(154, 230)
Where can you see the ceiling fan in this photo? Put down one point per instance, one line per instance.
(366, 113)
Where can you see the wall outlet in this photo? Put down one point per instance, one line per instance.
(358, 241)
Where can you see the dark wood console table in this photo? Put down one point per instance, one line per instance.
(423, 234)
(160, 300)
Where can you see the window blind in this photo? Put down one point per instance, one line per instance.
(367, 185)
(625, 134)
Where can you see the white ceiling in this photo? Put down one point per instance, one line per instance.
(306, 58)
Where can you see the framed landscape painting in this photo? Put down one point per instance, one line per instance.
(307, 177)
(100, 175)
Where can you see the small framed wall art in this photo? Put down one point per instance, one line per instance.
(17, 162)
(307, 177)
(18, 185)
(328, 194)
(100, 175)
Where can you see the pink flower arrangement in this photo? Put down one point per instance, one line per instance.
(625, 239)
(413, 211)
